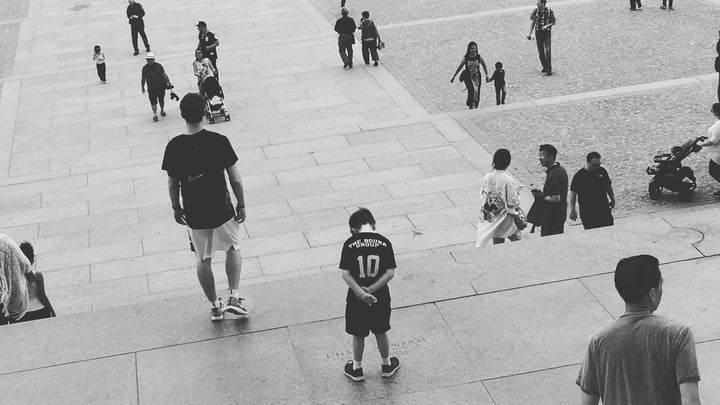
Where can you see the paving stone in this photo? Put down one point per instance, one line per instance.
(358, 152)
(32, 184)
(186, 278)
(124, 202)
(277, 381)
(392, 133)
(109, 380)
(543, 326)
(377, 177)
(19, 203)
(65, 277)
(141, 265)
(87, 222)
(424, 142)
(288, 191)
(323, 348)
(88, 193)
(336, 235)
(322, 171)
(338, 199)
(699, 221)
(293, 223)
(546, 387)
(687, 295)
(110, 291)
(708, 362)
(445, 217)
(404, 206)
(448, 166)
(434, 184)
(459, 394)
(91, 255)
(56, 243)
(433, 238)
(43, 214)
(299, 259)
(313, 145)
(451, 130)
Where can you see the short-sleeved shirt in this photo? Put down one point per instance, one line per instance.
(556, 183)
(639, 359)
(155, 76)
(498, 77)
(206, 40)
(714, 137)
(591, 188)
(544, 17)
(345, 25)
(367, 255)
(198, 162)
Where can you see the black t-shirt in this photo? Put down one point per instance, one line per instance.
(206, 40)
(154, 74)
(345, 25)
(199, 161)
(591, 188)
(367, 255)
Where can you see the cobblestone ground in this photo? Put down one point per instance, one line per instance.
(629, 48)
(10, 10)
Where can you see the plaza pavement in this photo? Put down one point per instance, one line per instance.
(80, 178)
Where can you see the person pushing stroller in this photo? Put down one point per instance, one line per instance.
(203, 68)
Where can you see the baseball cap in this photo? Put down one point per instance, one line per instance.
(203, 23)
(150, 55)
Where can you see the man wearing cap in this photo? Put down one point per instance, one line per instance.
(207, 43)
(135, 14)
(157, 81)
(345, 27)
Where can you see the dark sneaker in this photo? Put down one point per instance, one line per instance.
(162, 113)
(375, 63)
(549, 72)
(155, 118)
(389, 370)
(639, 7)
(355, 375)
(217, 313)
(544, 70)
(662, 7)
(235, 306)
(671, 9)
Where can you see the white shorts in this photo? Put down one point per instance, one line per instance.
(207, 241)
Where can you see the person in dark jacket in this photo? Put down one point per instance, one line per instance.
(345, 27)
(370, 38)
(498, 77)
(135, 14)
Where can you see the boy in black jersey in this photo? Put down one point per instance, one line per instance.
(368, 264)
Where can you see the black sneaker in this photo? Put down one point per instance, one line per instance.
(355, 375)
(544, 70)
(136, 53)
(217, 313)
(639, 7)
(662, 7)
(671, 9)
(162, 113)
(235, 306)
(155, 118)
(389, 370)
(375, 63)
(549, 72)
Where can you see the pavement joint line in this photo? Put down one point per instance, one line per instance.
(478, 14)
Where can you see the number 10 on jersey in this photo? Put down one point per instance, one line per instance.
(369, 267)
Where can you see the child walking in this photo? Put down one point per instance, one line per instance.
(99, 59)
(39, 305)
(498, 77)
(368, 264)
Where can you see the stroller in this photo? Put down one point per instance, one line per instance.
(668, 171)
(214, 99)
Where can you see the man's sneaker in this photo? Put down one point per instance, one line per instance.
(639, 7)
(217, 313)
(375, 63)
(671, 9)
(136, 53)
(155, 118)
(662, 7)
(162, 113)
(389, 370)
(235, 306)
(355, 375)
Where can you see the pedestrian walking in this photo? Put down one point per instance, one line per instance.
(99, 58)
(543, 19)
(553, 196)
(500, 202)
(202, 68)
(663, 5)
(498, 78)
(471, 75)
(635, 5)
(592, 188)
(712, 146)
(196, 163)
(368, 264)
(345, 27)
(640, 358)
(208, 43)
(157, 82)
(135, 14)
(14, 267)
(370, 38)
(39, 306)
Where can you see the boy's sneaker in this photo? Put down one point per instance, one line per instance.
(389, 370)
(355, 375)
(217, 313)
(235, 306)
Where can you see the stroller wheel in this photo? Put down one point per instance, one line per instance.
(654, 191)
(685, 196)
(227, 117)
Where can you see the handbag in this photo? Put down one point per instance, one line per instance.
(520, 219)
(533, 216)
(463, 75)
(380, 45)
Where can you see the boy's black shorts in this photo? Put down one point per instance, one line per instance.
(361, 318)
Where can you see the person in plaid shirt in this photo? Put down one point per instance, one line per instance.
(542, 20)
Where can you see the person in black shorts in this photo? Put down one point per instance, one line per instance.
(157, 81)
(368, 264)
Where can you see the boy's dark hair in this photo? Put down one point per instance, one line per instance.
(716, 109)
(501, 159)
(97, 48)
(361, 217)
(635, 276)
(366, 14)
(192, 108)
(549, 150)
(592, 155)
(28, 251)
(498, 65)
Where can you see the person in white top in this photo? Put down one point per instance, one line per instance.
(39, 305)
(99, 58)
(712, 145)
(500, 199)
(202, 67)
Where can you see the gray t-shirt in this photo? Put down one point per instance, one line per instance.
(639, 359)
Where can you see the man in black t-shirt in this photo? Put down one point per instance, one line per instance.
(368, 264)
(592, 186)
(135, 14)
(157, 81)
(208, 43)
(553, 194)
(345, 27)
(196, 164)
